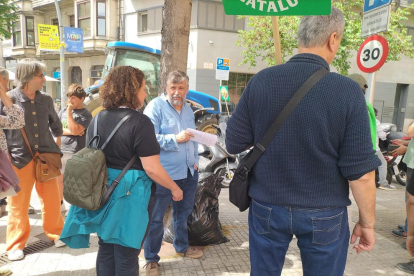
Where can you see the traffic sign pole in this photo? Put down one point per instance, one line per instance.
(372, 54)
(221, 84)
(369, 93)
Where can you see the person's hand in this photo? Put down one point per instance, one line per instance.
(410, 245)
(177, 194)
(398, 142)
(183, 136)
(195, 167)
(366, 237)
(69, 107)
(3, 91)
(400, 150)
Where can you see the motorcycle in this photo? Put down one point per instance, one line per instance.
(218, 160)
(394, 163)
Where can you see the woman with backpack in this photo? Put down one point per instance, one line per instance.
(121, 224)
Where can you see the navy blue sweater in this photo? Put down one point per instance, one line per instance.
(324, 143)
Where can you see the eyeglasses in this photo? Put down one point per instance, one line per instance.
(41, 75)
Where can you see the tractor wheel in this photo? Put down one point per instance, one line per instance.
(204, 123)
(93, 103)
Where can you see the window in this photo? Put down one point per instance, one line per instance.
(143, 22)
(17, 34)
(72, 21)
(55, 22)
(84, 17)
(237, 82)
(30, 33)
(101, 18)
(210, 15)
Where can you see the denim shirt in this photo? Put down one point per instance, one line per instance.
(175, 157)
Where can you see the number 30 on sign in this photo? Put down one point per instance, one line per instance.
(372, 54)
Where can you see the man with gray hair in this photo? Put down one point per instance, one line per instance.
(172, 116)
(300, 184)
(42, 128)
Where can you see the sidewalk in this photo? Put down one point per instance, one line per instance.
(231, 258)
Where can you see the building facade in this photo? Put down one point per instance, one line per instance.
(97, 18)
(213, 34)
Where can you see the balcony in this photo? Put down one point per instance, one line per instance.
(42, 3)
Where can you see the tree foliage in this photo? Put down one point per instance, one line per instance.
(258, 40)
(7, 16)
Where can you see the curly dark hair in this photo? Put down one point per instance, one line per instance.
(75, 90)
(121, 87)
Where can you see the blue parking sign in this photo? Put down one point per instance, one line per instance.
(370, 5)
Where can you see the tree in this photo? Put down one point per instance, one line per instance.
(258, 42)
(8, 15)
(175, 34)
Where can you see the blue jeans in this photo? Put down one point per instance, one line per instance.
(181, 210)
(323, 236)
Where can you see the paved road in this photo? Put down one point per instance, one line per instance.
(231, 258)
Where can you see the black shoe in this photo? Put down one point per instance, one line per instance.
(31, 210)
(406, 267)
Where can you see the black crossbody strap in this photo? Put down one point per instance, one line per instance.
(115, 130)
(260, 148)
(115, 182)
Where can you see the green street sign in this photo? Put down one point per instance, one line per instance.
(277, 7)
(224, 91)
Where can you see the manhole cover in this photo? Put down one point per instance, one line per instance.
(3, 259)
(37, 246)
(31, 248)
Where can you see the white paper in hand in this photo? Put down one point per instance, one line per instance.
(203, 137)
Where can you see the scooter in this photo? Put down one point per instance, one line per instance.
(220, 162)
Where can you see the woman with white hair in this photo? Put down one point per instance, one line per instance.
(42, 125)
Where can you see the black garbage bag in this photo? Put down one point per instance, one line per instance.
(204, 227)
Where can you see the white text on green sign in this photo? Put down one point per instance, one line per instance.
(277, 7)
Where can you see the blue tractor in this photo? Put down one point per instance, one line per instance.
(206, 108)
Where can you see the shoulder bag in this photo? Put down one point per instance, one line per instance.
(47, 165)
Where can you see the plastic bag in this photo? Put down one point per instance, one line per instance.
(204, 227)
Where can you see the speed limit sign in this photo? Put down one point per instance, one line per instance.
(372, 54)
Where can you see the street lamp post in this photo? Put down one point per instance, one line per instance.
(62, 57)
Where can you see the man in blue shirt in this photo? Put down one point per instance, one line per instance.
(300, 185)
(172, 116)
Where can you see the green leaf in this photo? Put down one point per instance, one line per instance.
(8, 15)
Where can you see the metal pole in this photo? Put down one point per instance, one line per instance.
(62, 58)
(369, 94)
(220, 97)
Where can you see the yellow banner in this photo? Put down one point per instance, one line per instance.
(48, 37)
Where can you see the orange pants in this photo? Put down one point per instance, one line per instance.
(18, 226)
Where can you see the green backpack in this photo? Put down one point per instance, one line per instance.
(85, 181)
